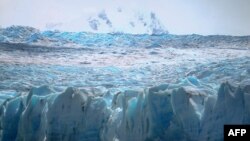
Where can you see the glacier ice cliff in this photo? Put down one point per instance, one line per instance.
(187, 111)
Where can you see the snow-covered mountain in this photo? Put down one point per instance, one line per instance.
(118, 20)
(136, 24)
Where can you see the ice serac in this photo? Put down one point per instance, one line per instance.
(70, 116)
(74, 116)
(10, 119)
(246, 89)
(32, 124)
(187, 111)
(146, 116)
(229, 108)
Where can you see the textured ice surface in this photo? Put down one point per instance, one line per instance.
(32, 36)
(119, 87)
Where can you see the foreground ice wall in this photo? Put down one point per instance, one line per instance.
(188, 111)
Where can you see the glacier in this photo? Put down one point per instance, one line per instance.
(69, 86)
(164, 112)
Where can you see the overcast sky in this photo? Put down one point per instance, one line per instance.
(231, 17)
